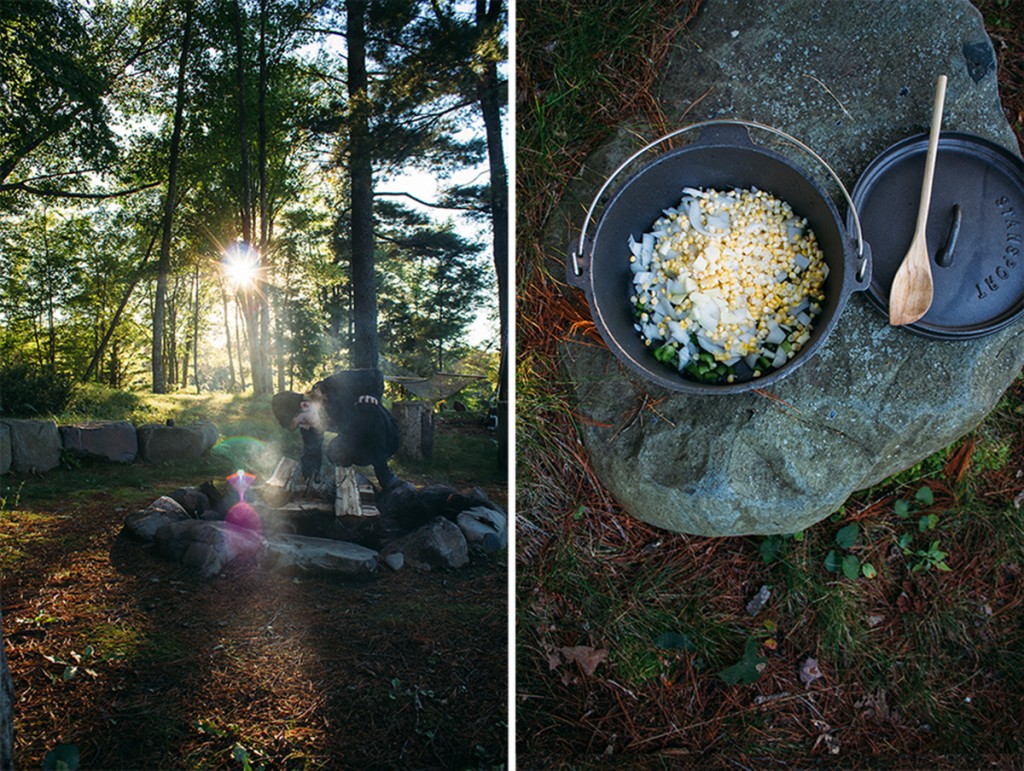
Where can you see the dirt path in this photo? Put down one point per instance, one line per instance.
(405, 670)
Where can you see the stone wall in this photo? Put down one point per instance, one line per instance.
(36, 446)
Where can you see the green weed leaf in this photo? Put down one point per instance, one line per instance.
(747, 669)
(868, 570)
(675, 641)
(833, 562)
(771, 549)
(902, 508)
(851, 567)
(63, 757)
(241, 754)
(925, 496)
(847, 536)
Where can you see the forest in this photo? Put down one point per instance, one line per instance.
(247, 195)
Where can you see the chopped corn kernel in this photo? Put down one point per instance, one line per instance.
(728, 276)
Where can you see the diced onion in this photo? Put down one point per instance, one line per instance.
(727, 284)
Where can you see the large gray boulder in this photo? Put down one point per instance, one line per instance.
(437, 544)
(306, 554)
(143, 524)
(485, 527)
(206, 547)
(850, 79)
(5, 448)
(111, 440)
(35, 445)
(170, 444)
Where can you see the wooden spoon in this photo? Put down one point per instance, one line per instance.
(911, 293)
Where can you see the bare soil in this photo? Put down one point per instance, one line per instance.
(140, 664)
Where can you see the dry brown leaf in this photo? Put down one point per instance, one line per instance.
(588, 658)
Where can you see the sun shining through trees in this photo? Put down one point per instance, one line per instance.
(242, 266)
(248, 114)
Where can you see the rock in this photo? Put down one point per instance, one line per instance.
(438, 544)
(849, 79)
(111, 440)
(167, 444)
(759, 600)
(484, 527)
(304, 554)
(395, 560)
(207, 547)
(192, 499)
(412, 507)
(35, 445)
(5, 448)
(209, 431)
(143, 524)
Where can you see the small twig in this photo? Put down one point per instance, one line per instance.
(829, 92)
(773, 398)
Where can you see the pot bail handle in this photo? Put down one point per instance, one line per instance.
(577, 253)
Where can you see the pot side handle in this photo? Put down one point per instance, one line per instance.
(577, 261)
(862, 278)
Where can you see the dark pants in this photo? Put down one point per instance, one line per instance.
(368, 436)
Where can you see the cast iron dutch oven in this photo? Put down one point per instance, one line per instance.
(722, 157)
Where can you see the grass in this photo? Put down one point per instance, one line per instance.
(249, 437)
(920, 667)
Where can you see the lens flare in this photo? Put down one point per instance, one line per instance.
(244, 515)
(242, 265)
(241, 480)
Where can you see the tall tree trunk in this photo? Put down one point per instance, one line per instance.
(251, 297)
(185, 362)
(243, 132)
(227, 333)
(489, 99)
(366, 344)
(195, 329)
(164, 265)
(51, 332)
(262, 343)
(115, 366)
(240, 342)
(98, 354)
(279, 346)
(171, 338)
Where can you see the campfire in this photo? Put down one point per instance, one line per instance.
(339, 524)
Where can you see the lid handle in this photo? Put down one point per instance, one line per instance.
(944, 257)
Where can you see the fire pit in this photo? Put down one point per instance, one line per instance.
(341, 526)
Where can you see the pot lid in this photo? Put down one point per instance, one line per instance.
(975, 230)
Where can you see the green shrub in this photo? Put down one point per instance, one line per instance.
(27, 391)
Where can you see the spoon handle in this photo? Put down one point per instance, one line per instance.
(933, 149)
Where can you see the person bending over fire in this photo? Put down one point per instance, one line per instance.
(348, 403)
